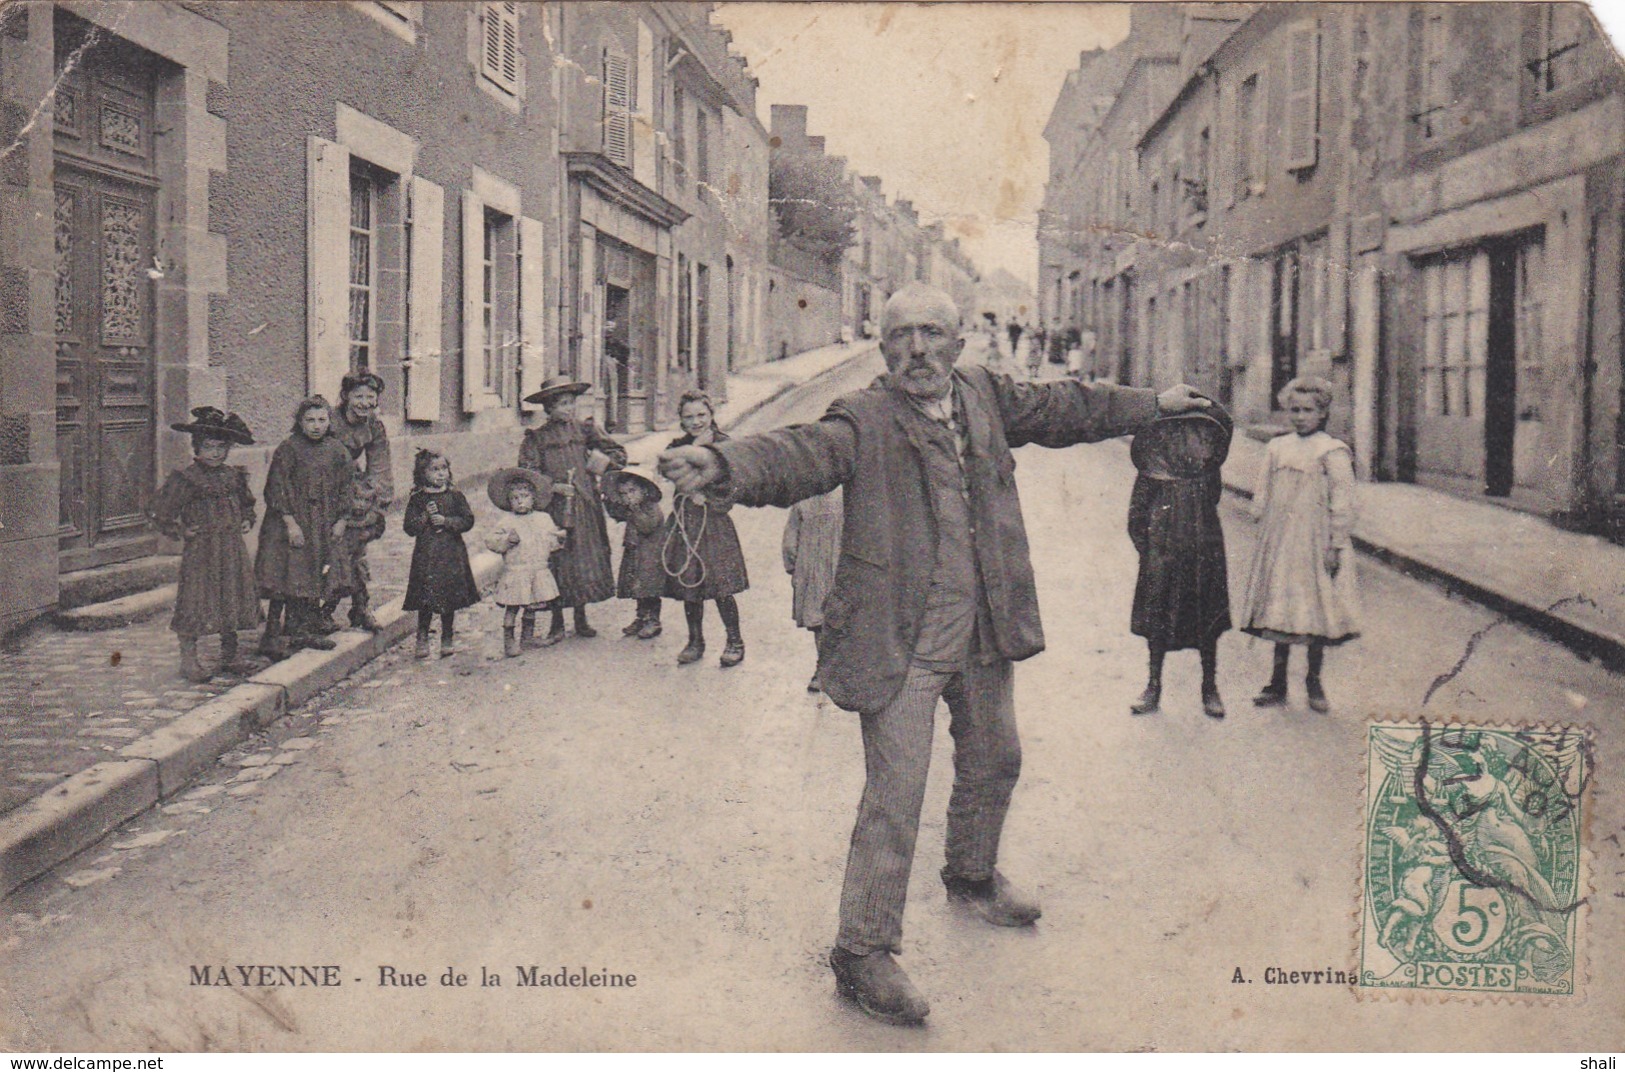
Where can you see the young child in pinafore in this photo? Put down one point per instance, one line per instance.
(441, 580)
(307, 502)
(208, 505)
(1302, 589)
(525, 540)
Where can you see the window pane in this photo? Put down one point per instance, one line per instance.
(360, 259)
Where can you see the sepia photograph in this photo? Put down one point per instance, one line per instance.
(632, 527)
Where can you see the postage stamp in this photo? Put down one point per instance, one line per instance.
(1475, 872)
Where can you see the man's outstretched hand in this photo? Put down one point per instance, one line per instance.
(690, 468)
(1180, 398)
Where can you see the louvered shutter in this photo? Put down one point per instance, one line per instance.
(1302, 95)
(617, 102)
(499, 52)
(475, 396)
(424, 328)
(532, 306)
(327, 267)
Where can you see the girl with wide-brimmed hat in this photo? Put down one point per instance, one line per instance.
(209, 507)
(525, 540)
(574, 453)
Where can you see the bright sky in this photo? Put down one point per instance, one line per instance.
(946, 103)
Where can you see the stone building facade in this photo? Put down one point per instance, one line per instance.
(234, 205)
(1420, 202)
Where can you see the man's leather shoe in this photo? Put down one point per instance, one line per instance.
(875, 984)
(994, 899)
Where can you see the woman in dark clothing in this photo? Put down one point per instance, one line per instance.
(1182, 597)
(700, 550)
(575, 454)
(441, 581)
(357, 427)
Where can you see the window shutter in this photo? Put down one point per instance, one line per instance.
(1303, 95)
(327, 266)
(424, 329)
(475, 397)
(1258, 149)
(532, 306)
(617, 101)
(499, 51)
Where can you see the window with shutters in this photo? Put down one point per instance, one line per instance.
(499, 45)
(1302, 95)
(617, 108)
(1528, 341)
(702, 147)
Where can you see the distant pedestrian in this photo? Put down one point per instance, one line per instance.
(1302, 587)
(1182, 596)
(525, 541)
(441, 580)
(575, 454)
(307, 502)
(1013, 329)
(208, 505)
(700, 552)
(635, 500)
(357, 427)
(812, 548)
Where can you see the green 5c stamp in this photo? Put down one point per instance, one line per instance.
(1474, 877)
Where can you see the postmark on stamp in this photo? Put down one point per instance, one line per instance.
(1474, 874)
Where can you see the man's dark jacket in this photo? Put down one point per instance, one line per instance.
(869, 442)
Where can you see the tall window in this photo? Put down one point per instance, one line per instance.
(1436, 98)
(499, 47)
(1565, 53)
(685, 315)
(702, 147)
(679, 131)
(363, 275)
(1455, 334)
(1529, 345)
(498, 299)
(1248, 147)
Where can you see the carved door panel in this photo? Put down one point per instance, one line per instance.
(104, 221)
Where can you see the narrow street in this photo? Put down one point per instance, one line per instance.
(594, 806)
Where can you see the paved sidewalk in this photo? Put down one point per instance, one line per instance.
(1568, 585)
(95, 726)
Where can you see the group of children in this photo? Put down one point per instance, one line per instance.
(321, 511)
(1301, 587)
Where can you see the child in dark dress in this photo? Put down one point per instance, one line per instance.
(700, 552)
(1182, 596)
(635, 500)
(441, 580)
(307, 500)
(209, 506)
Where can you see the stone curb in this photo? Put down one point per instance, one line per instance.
(81, 810)
(1582, 638)
(117, 613)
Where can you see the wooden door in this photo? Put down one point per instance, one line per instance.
(104, 219)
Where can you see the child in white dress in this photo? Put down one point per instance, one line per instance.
(525, 540)
(1302, 587)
